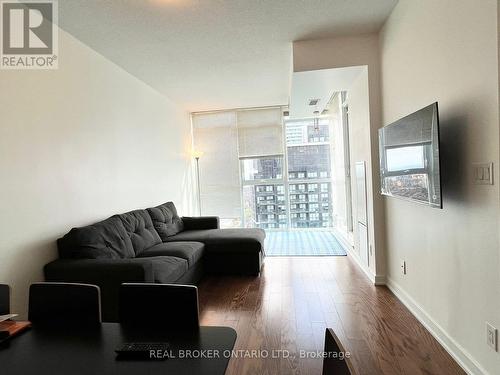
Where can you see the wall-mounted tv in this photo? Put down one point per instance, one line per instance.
(409, 158)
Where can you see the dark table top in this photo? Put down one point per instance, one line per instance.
(68, 351)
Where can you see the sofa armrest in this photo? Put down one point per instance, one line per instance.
(107, 274)
(201, 222)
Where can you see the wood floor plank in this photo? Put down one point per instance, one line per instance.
(289, 306)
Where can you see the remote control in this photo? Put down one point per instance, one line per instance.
(143, 350)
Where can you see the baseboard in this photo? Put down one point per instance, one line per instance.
(380, 280)
(349, 248)
(375, 279)
(459, 354)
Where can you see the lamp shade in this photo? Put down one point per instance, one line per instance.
(197, 154)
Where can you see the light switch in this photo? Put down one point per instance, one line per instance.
(483, 173)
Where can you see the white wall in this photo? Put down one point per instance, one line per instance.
(339, 191)
(446, 51)
(360, 150)
(77, 145)
(341, 52)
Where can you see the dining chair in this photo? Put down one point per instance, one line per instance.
(57, 303)
(168, 306)
(335, 362)
(4, 299)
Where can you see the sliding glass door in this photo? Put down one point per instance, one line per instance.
(309, 173)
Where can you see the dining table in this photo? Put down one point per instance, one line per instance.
(72, 350)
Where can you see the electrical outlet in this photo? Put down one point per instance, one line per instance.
(403, 267)
(492, 336)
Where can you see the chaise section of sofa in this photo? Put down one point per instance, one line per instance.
(228, 251)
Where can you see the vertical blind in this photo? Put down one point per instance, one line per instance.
(225, 137)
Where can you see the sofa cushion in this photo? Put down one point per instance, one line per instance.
(140, 229)
(166, 220)
(106, 239)
(166, 269)
(225, 240)
(188, 250)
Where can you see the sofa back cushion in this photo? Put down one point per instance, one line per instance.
(140, 229)
(107, 239)
(166, 220)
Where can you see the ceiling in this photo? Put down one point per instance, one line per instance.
(214, 54)
(319, 84)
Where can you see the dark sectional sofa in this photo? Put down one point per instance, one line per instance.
(153, 245)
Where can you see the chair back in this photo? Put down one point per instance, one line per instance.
(168, 306)
(335, 362)
(64, 303)
(4, 299)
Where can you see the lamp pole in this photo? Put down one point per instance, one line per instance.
(198, 182)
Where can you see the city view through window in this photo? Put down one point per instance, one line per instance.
(291, 190)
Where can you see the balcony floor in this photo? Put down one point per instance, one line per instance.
(305, 242)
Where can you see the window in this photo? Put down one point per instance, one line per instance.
(274, 192)
(308, 158)
(309, 161)
(262, 168)
(307, 132)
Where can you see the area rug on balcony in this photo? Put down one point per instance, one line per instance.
(302, 243)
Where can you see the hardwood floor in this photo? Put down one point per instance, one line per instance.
(295, 299)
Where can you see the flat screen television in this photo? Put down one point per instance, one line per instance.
(409, 158)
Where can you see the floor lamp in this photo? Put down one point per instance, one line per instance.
(197, 155)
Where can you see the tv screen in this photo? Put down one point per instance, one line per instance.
(409, 158)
